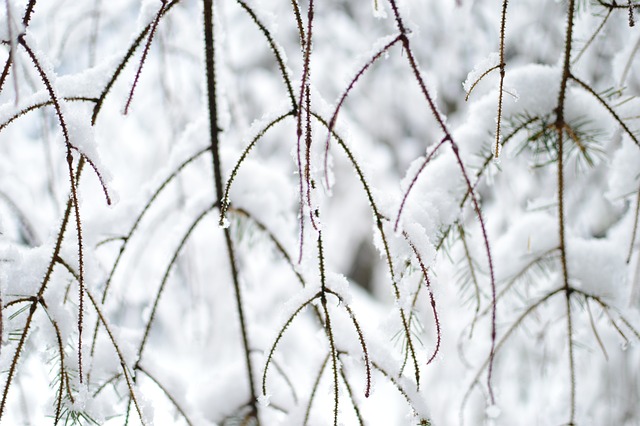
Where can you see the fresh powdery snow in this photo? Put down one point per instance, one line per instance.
(482, 69)
(312, 220)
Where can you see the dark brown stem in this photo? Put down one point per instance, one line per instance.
(485, 237)
(134, 46)
(313, 214)
(565, 275)
(314, 389)
(123, 365)
(25, 23)
(35, 300)
(298, 15)
(145, 52)
(76, 209)
(611, 111)
(426, 161)
(5, 72)
(503, 24)
(351, 397)
(73, 190)
(560, 126)
(440, 120)
(353, 82)
(432, 299)
(504, 338)
(276, 52)
(304, 87)
(28, 12)
(63, 126)
(16, 356)
(327, 326)
(165, 278)
(217, 172)
(167, 393)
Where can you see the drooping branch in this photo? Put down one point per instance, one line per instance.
(145, 52)
(214, 130)
(503, 24)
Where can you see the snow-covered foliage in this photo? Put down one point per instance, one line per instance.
(339, 212)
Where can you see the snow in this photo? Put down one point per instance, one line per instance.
(598, 268)
(148, 12)
(481, 68)
(206, 329)
(625, 170)
(379, 10)
(228, 385)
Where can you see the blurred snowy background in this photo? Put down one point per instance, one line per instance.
(192, 368)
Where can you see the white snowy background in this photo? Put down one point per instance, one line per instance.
(192, 369)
